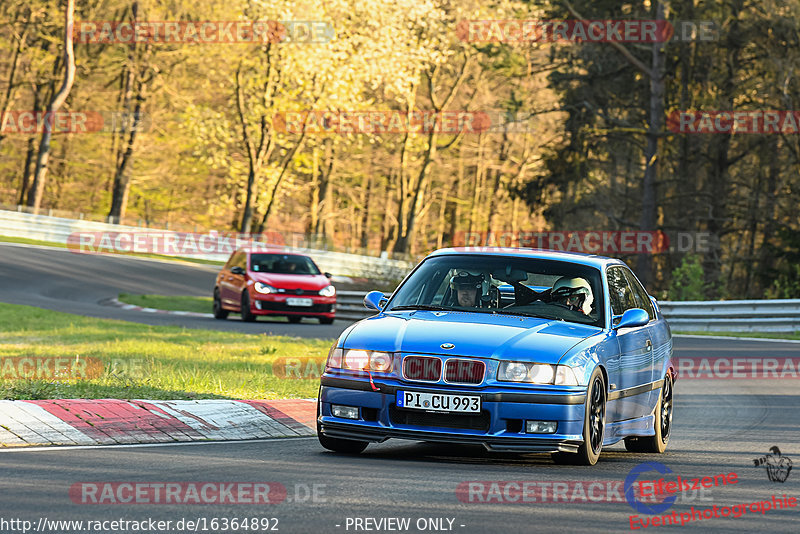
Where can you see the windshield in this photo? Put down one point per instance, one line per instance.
(282, 264)
(501, 284)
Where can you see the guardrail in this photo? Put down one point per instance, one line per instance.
(57, 230)
(734, 315)
(716, 316)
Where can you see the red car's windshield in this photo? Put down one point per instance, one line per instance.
(282, 264)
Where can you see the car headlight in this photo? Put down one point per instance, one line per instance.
(536, 373)
(261, 287)
(360, 360)
(327, 291)
(565, 376)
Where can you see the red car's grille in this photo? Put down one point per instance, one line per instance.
(464, 371)
(422, 368)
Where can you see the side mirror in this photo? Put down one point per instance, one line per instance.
(237, 270)
(633, 317)
(375, 300)
(328, 275)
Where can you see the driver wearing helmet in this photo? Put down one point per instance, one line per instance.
(467, 288)
(573, 293)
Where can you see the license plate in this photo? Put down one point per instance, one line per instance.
(440, 402)
(299, 302)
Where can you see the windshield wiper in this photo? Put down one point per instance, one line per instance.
(527, 314)
(426, 307)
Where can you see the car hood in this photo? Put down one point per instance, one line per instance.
(292, 281)
(473, 334)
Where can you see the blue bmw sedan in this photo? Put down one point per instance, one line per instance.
(516, 349)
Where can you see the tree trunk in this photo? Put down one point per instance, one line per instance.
(366, 199)
(9, 96)
(37, 188)
(122, 179)
(649, 217)
(323, 213)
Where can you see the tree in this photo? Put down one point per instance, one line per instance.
(37, 188)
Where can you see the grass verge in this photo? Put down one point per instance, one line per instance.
(162, 302)
(764, 335)
(145, 362)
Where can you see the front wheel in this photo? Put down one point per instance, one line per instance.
(663, 424)
(294, 318)
(247, 314)
(326, 320)
(594, 424)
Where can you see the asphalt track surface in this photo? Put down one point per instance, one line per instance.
(720, 427)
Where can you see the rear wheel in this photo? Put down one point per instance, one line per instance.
(219, 311)
(594, 424)
(663, 424)
(294, 318)
(247, 314)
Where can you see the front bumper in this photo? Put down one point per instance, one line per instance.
(276, 305)
(499, 427)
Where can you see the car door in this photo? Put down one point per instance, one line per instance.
(657, 329)
(228, 284)
(629, 397)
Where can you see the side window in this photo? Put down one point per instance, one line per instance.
(230, 263)
(642, 300)
(239, 259)
(619, 291)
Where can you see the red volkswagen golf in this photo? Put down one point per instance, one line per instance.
(264, 282)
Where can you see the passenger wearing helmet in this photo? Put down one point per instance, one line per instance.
(573, 293)
(467, 288)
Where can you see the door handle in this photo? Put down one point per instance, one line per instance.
(649, 344)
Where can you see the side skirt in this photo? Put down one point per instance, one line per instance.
(642, 426)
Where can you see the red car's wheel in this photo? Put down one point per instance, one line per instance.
(247, 314)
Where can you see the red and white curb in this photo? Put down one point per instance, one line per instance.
(111, 421)
(116, 303)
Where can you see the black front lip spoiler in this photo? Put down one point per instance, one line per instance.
(378, 435)
(530, 398)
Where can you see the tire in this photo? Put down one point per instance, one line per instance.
(294, 318)
(594, 422)
(326, 320)
(247, 315)
(657, 444)
(219, 311)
